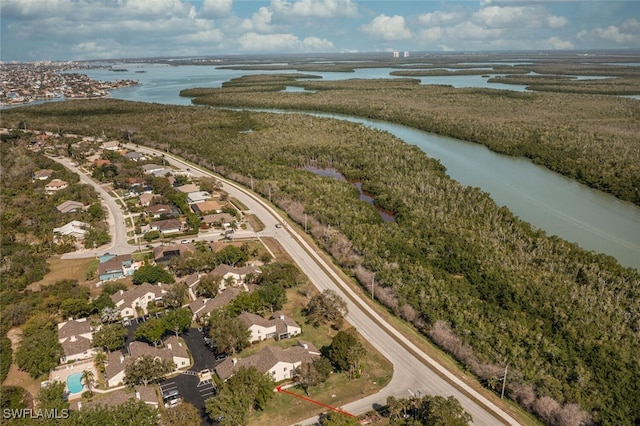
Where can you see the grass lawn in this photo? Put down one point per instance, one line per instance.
(338, 390)
(66, 269)
(255, 223)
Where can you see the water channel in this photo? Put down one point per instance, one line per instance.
(558, 205)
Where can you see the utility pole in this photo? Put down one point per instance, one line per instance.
(504, 380)
(305, 223)
(373, 289)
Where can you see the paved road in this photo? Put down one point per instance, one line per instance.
(414, 371)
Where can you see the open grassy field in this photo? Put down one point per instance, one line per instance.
(66, 269)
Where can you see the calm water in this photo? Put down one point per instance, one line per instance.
(560, 206)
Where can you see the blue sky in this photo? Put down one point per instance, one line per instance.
(35, 30)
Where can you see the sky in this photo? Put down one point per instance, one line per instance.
(35, 30)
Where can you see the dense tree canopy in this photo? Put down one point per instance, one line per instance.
(246, 390)
(152, 274)
(483, 284)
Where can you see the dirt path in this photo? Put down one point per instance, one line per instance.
(17, 377)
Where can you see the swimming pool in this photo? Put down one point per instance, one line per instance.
(74, 383)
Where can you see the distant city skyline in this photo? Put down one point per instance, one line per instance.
(38, 30)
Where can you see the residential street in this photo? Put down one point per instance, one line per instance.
(414, 371)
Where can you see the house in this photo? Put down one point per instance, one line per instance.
(75, 228)
(164, 172)
(205, 206)
(44, 174)
(189, 187)
(173, 350)
(110, 146)
(55, 185)
(165, 253)
(198, 196)
(76, 339)
(168, 226)
(278, 327)
(235, 275)
(101, 162)
(148, 169)
(280, 364)
(202, 306)
(138, 298)
(158, 210)
(145, 199)
(218, 219)
(112, 267)
(70, 207)
(135, 156)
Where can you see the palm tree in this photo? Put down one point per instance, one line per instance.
(87, 379)
(100, 360)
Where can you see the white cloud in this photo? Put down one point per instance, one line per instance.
(34, 8)
(431, 35)
(216, 8)
(558, 43)
(255, 42)
(439, 18)
(625, 35)
(503, 17)
(390, 28)
(316, 8)
(208, 36)
(259, 21)
(556, 21)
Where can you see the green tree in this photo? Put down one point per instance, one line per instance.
(272, 296)
(333, 418)
(228, 334)
(102, 302)
(130, 413)
(147, 369)
(428, 410)
(152, 330)
(184, 414)
(245, 391)
(52, 397)
(175, 296)
(313, 373)
(345, 352)
(326, 307)
(231, 255)
(14, 397)
(152, 274)
(75, 308)
(110, 337)
(285, 274)
(96, 212)
(39, 352)
(178, 321)
(87, 379)
(209, 285)
(5, 357)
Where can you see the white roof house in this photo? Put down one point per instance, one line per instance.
(74, 228)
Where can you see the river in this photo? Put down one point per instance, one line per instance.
(560, 206)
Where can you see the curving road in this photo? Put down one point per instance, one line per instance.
(414, 371)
